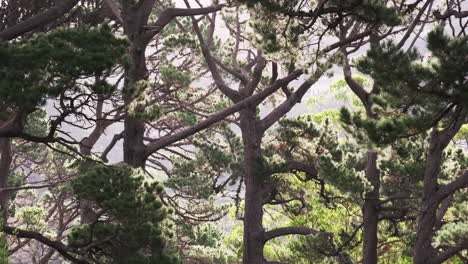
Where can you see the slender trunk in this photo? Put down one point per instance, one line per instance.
(424, 253)
(254, 185)
(5, 162)
(370, 211)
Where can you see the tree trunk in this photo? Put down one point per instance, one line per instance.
(5, 162)
(370, 211)
(254, 185)
(87, 214)
(133, 147)
(424, 253)
(134, 128)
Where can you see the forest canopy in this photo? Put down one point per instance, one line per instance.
(233, 131)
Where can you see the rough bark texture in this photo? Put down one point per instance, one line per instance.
(134, 128)
(253, 217)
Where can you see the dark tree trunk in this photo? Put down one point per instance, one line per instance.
(134, 148)
(424, 253)
(254, 188)
(5, 162)
(370, 211)
(134, 128)
(433, 196)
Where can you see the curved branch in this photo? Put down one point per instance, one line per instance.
(285, 231)
(170, 13)
(64, 250)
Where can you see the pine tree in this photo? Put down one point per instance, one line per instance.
(130, 222)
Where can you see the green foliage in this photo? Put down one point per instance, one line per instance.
(462, 134)
(15, 179)
(141, 106)
(453, 234)
(366, 11)
(173, 77)
(47, 65)
(282, 28)
(32, 217)
(411, 96)
(216, 164)
(205, 243)
(331, 116)
(336, 162)
(131, 230)
(380, 132)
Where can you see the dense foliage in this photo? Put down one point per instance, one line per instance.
(237, 131)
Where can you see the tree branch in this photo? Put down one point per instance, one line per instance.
(448, 189)
(61, 248)
(310, 170)
(220, 115)
(450, 252)
(284, 231)
(283, 108)
(450, 13)
(171, 13)
(38, 20)
(211, 63)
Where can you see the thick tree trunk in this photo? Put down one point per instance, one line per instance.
(134, 148)
(370, 211)
(254, 185)
(134, 128)
(5, 162)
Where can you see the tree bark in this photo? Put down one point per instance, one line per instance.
(423, 250)
(370, 211)
(253, 217)
(134, 128)
(5, 162)
(433, 195)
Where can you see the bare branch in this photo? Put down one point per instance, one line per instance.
(61, 248)
(284, 231)
(450, 13)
